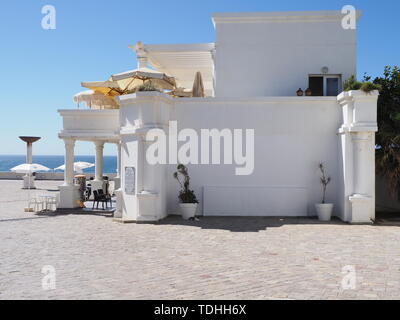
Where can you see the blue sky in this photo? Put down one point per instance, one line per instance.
(42, 69)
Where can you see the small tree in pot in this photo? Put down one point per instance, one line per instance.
(187, 197)
(324, 210)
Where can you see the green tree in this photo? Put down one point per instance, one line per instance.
(388, 136)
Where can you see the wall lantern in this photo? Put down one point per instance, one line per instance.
(324, 70)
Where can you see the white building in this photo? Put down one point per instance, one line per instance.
(251, 75)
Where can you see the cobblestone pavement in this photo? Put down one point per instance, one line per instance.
(215, 258)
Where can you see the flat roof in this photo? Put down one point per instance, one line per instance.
(279, 16)
(182, 61)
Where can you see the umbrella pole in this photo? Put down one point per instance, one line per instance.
(29, 187)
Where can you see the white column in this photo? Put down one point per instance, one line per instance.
(29, 179)
(118, 160)
(358, 154)
(147, 200)
(69, 193)
(99, 160)
(69, 162)
(362, 153)
(141, 55)
(118, 214)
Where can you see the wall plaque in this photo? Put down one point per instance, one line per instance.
(130, 179)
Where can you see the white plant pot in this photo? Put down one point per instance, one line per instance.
(188, 210)
(324, 211)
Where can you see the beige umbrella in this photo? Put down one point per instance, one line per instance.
(95, 100)
(109, 88)
(198, 87)
(129, 80)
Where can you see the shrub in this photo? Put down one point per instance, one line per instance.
(367, 87)
(388, 136)
(352, 84)
(147, 86)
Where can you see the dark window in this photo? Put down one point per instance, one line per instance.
(332, 86)
(316, 84)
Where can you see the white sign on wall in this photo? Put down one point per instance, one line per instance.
(130, 178)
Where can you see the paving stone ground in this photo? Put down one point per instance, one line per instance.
(215, 258)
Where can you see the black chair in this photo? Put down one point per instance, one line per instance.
(106, 196)
(99, 198)
(88, 193)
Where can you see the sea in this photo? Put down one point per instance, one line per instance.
(10, 161)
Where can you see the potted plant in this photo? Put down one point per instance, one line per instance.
(188, 201)
(366, 86)
(324, 210)
(145, 87)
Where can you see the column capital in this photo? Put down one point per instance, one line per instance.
(99, 144)
(69, 142)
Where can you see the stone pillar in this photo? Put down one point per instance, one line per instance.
(119, 159)
(358, 155)
(143, 195)
(69, 193)
(98, 183)
(29, 152)
(362, 150)
(141, 55)
(69, 162)
(99, 160)
(29, 179)
(117, 179)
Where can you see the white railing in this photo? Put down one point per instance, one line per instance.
(90, 124)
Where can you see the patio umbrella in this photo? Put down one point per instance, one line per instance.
(123, 83)
(78, 166)
(95, 100)
(130, 79)
(108, 88)
(198, 86)
(28, 169)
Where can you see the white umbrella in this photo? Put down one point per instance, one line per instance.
(29, 168)
(130, 79)
(78, 166)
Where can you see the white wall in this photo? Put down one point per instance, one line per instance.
(264, 56)
(292, 135)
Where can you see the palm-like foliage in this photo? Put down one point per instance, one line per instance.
(324, 181)
(388, 136)
(185, 194)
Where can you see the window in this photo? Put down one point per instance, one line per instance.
(324, 85)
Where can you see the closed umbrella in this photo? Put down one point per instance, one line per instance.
(198, 86)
